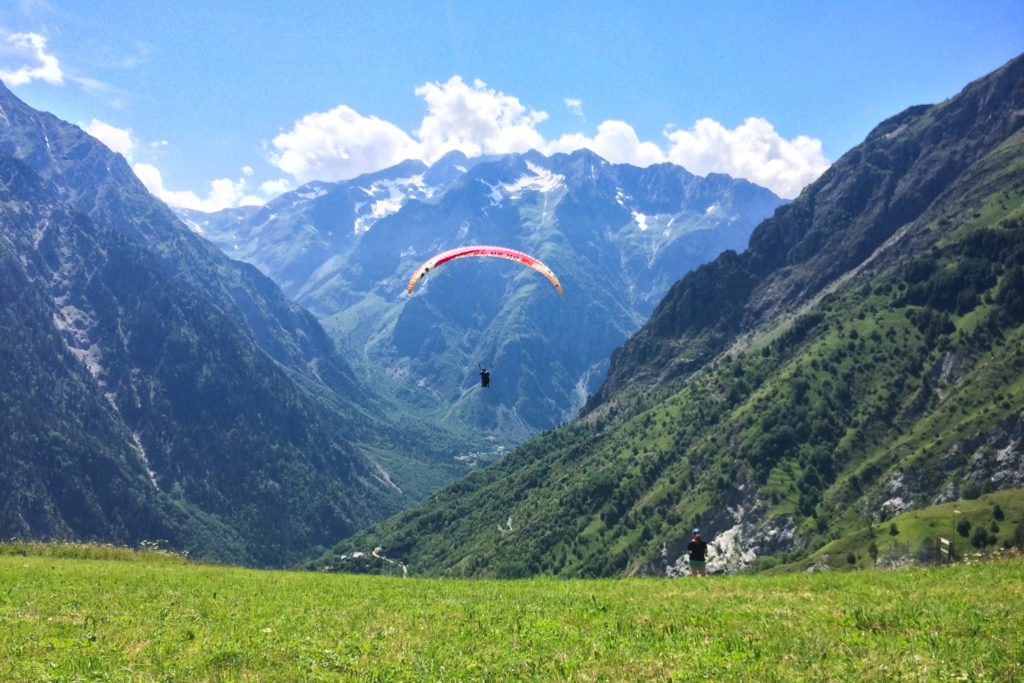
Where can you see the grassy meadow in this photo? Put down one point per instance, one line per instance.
(80, 614)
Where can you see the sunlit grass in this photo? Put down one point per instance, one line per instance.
(70, 619)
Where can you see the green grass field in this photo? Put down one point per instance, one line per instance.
(76, 613)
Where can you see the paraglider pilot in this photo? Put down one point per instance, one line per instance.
(485, 377)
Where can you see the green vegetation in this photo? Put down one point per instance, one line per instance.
(987, 526)
(147, 551)
(159, 618)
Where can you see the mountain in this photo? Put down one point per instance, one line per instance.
(862, 358)
(295, 235)
(156, 390)
(617, 236)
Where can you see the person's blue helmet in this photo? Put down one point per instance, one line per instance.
(696, 531)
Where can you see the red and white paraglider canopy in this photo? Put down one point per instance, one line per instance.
(498, 252)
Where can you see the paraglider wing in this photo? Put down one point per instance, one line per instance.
(498, 252)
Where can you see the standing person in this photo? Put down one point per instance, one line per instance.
(696, 551)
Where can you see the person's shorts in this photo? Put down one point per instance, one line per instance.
(699, 564)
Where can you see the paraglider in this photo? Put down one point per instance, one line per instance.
(498, 252)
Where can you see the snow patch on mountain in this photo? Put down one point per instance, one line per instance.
(388, 197)
(413, 186)
(494, 194)
(193, 226)
(383, 207)
(541, 180)
(378, 209)
(312, 193)
(641, 220)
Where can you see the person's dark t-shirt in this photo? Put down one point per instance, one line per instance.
(697, 550)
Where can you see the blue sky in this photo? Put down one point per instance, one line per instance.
(217, 104)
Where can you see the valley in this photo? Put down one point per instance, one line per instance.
(781, 374)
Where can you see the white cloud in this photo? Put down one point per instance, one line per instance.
(475, 120)
(616, 141)
(224, 192)
(273, 188)
(35, 63)
(114, 96)
(340, 144)
(119, 140)
(754, 151)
